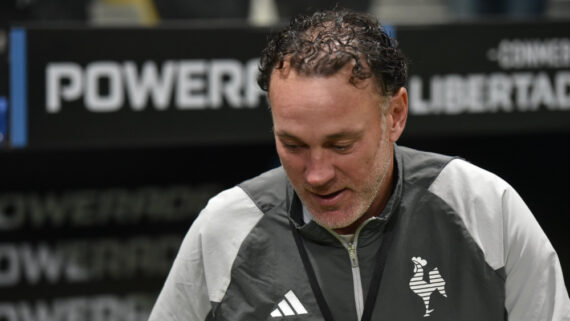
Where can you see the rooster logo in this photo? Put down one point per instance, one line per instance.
(421, 287)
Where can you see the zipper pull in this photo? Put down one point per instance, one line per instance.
(352, 255)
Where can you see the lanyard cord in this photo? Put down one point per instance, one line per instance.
(323, 306)
(374, 283)
(378, 271)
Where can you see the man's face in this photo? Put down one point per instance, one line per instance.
(332, 140)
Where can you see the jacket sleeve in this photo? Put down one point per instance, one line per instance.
(184, 295)
(535, 289)
(201, 272)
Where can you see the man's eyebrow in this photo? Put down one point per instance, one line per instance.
(282, 134)
(349, 134)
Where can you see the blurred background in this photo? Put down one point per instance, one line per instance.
(119, 119)
(268, 12)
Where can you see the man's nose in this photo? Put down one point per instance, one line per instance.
(319, 170)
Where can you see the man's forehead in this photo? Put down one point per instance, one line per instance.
(287, 75)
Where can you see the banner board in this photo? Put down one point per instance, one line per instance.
(91, 235)
(184, 86)
(488, 79)
(91, 254)
(135, 87)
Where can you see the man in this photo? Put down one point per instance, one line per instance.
(354, 227)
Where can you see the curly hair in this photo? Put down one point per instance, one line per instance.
(324, 42)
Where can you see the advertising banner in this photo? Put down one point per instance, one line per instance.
(488, 79)
(136, 87)
(186, 86)
(91, 254)
(91, 235)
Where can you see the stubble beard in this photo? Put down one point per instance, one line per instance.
(363, 204)
(366, 198)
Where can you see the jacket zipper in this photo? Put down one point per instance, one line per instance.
(352, 247)
(356, 279)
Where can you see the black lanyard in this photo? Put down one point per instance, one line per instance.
(374, 283)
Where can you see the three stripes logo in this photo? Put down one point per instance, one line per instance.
(289, 306)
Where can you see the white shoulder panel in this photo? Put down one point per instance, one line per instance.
(476, 196)
(509, 236)
(227, 220)
(201, 271)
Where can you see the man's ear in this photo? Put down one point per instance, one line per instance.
(397, 114)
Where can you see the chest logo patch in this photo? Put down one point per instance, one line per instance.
(424, 289)
(289, 306)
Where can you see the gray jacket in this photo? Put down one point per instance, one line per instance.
(465, 247)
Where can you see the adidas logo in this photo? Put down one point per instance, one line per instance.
(289, 306)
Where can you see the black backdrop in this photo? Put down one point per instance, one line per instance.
(536, 165)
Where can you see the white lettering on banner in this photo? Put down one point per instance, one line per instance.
(107, 86)
(191, 85)
(562, 83)
(56, 90)
(10, 268)
(499, 96)
(523, 82)
(490, 93)
(86, 260)
(135, 307)
(96, 73)
(40, 263)
(252, 90)
(531, 53)
(150, 83)
(82, 208)
(232, 71)
(12, 208)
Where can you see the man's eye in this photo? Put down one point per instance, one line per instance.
(291, 146)
(341, 147)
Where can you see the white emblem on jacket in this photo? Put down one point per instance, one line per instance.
(421, 287)
(289, 306)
